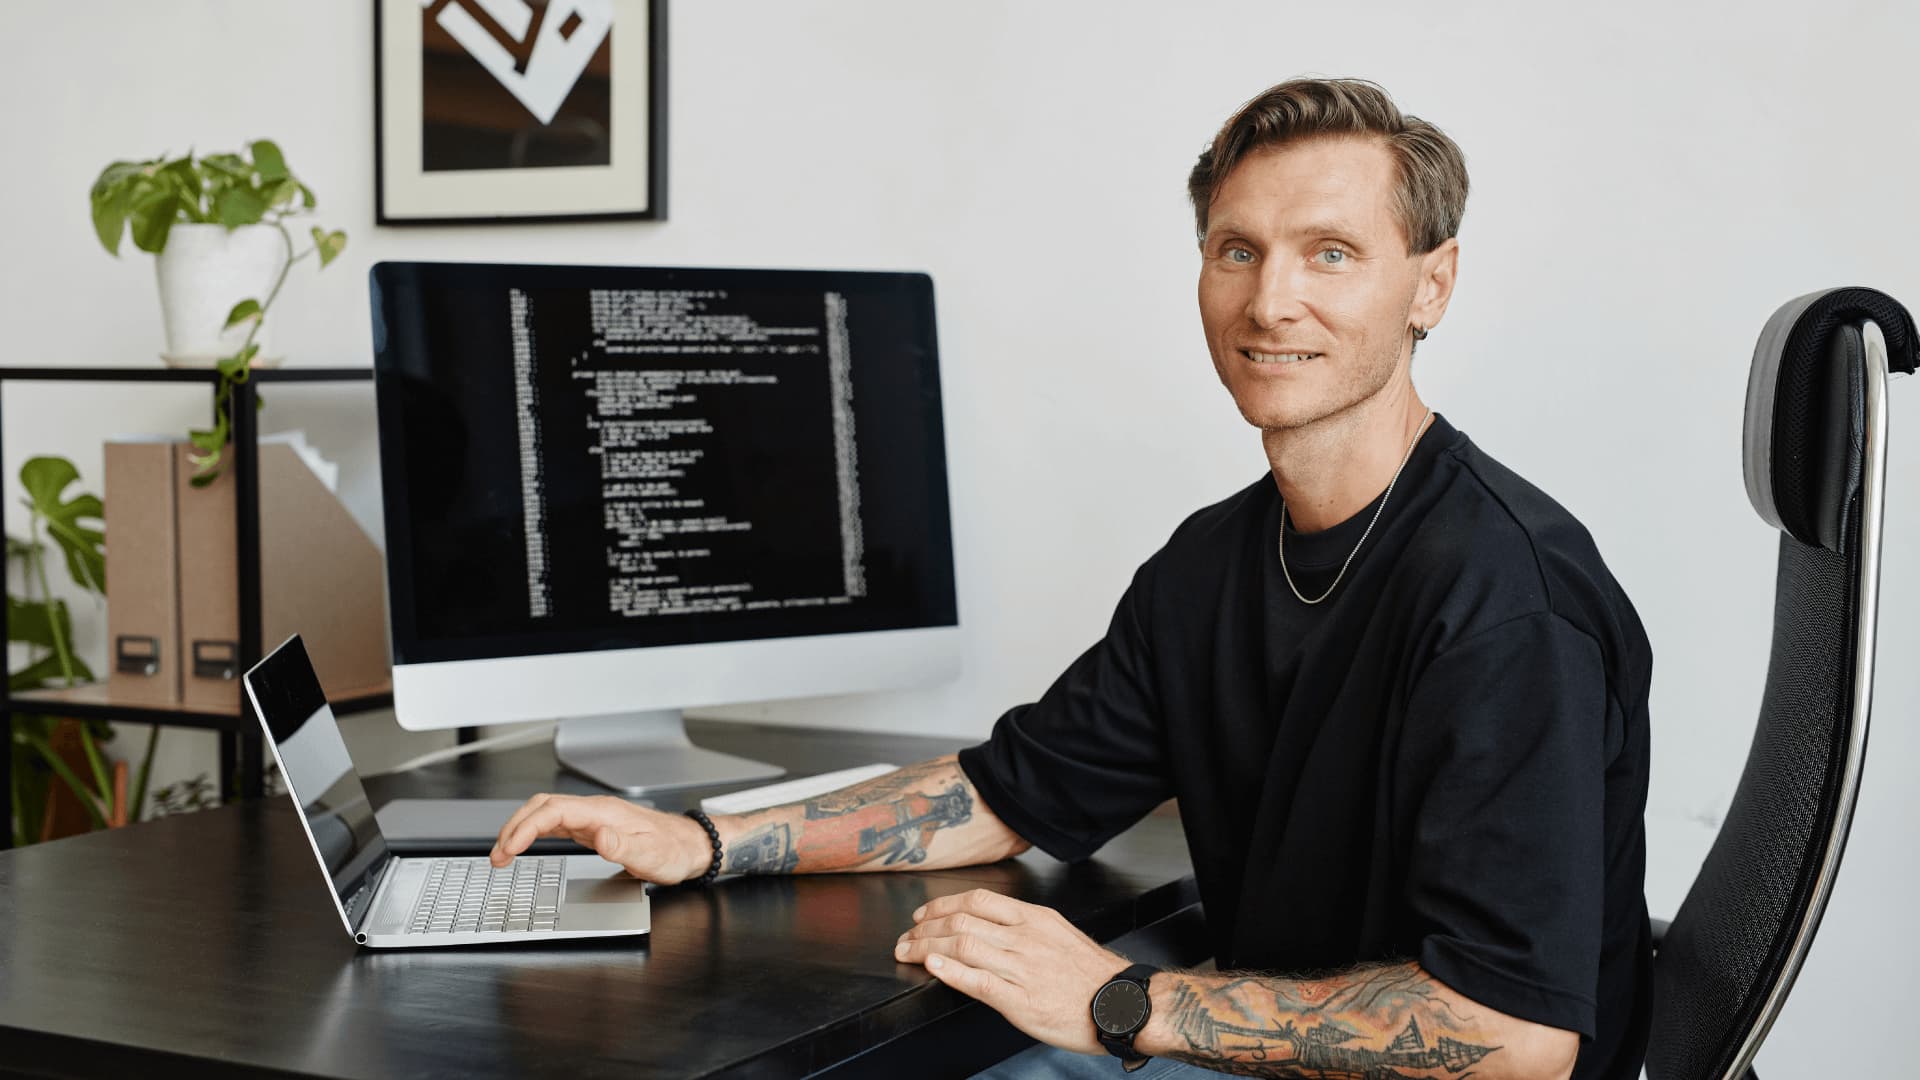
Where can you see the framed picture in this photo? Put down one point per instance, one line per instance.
(519, 111)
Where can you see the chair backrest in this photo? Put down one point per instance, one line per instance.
(1815, 464)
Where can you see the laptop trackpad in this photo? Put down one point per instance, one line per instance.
(602, 896)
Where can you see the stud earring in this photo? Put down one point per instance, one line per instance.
(1419, 333)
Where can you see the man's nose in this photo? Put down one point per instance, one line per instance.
(1277, 297)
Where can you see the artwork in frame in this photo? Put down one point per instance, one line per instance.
(490, 111)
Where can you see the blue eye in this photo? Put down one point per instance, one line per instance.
(1231, 252)
(1338, 256)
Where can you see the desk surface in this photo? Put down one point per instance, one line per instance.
(207, 941)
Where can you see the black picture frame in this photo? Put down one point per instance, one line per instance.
(400, 184)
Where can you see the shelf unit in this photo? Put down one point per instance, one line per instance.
(241, 748)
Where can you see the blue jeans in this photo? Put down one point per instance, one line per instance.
(1045, 1062)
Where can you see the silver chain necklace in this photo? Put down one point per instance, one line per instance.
(1363, 536)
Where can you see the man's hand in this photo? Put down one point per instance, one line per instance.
(662, 848)
(1025, 961)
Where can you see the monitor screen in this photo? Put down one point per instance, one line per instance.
(579, 458)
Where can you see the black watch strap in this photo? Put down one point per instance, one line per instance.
(1121, 1045)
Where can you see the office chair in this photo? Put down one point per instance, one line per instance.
(1815, 448)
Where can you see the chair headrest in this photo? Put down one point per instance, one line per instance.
(1804, 439)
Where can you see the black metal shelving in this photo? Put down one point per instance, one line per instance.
(241, 748)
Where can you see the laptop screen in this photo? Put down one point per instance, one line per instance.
(313, 760)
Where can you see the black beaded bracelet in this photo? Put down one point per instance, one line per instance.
(713, 834)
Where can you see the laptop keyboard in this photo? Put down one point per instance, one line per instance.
(470, 896)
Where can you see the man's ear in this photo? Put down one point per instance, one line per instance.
(1434, 289)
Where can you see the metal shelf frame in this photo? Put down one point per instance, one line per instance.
(241, 747)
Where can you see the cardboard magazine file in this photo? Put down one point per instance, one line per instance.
(321, 576)
(143, 598)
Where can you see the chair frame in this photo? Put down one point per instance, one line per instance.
(1867, 613)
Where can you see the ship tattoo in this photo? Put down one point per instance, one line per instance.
(1319, 1049)
(1326, 1050)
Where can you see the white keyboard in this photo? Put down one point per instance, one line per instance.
(786, 791)
(468, 896)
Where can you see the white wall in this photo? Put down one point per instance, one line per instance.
(1650, 181)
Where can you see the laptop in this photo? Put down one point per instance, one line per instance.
(391, 902)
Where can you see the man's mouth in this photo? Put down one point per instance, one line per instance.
(1277, 358)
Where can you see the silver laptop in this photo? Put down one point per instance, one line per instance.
(392, 902)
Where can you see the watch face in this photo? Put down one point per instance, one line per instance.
(1120, 1007)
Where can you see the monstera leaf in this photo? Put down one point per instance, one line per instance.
(46, 480)
(47, 671)
(31, 622)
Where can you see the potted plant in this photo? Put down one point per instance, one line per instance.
(40, 621)
(218, 226)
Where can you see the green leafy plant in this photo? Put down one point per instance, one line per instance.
(147, 198)
(43, 623)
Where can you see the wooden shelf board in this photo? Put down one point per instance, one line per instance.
(96, 699)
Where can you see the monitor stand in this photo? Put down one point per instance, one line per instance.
(641, 752)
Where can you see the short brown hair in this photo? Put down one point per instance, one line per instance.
(1431, 194)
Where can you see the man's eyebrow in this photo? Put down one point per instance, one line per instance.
(1328, 227)
(1320, 227)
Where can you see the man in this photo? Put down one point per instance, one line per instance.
(1398, 696)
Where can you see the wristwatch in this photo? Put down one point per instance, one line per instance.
(1120, 1010)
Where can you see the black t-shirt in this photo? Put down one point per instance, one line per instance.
(1445, 761)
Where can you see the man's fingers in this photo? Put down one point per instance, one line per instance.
(524, 829)
(960, 924)
(501, 855)
(985, 903)
(614, 828)
(917, 950)
(973, 950)
(519, 813)
(560, 815)
(977, 983)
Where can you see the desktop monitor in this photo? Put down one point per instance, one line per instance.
(613, 493)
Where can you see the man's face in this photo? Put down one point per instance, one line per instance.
(1304, 257)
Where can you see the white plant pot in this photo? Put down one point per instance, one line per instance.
(204, 270)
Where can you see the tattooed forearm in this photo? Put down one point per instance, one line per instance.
(1375, 1023)
(887, 822)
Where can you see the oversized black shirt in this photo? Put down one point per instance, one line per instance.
(1446, 761)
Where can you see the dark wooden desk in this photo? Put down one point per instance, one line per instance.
(206, 945)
